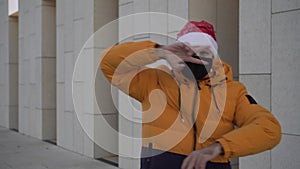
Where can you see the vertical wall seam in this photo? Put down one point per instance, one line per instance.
(271, 72)
(167, 22)
(188, 9)
(216, 27)
(238, 40)
(271, 54)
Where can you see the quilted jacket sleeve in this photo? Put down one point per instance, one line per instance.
(124, 66)
(258, 130)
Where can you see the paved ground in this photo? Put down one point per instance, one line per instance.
(18, 151)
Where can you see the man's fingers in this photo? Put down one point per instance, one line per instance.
(201, 163)
(187, 45)
(188, 49)
(192, 162)
(195, 60)
(185, 163)
(178, 66)
(203, 47)
(195, 161)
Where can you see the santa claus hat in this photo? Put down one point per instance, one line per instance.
(198, 34)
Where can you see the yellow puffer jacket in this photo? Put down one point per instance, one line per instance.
(172, 103)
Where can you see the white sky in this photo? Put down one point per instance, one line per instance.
(12, 6)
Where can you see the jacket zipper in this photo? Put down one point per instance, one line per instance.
(179, 103)
(215, 100)
(197, 87)
(193, 113)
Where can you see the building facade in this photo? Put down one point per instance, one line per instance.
(40, 46)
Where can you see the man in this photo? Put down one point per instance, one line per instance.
(191, 109)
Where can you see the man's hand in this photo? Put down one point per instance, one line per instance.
(178, 53)
(198, 159)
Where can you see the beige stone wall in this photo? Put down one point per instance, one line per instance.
(37, 58)
(285, 79)
(269, 50)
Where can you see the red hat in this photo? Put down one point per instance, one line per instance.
(198, 34)
(202, 26)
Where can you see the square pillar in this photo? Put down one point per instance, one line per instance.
(4, 64)
(254, 63)
(285, 80)
(37, 69)
(76, 22)
(13, 72)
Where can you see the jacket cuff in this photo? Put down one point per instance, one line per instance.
(152, 53)
(226, 147)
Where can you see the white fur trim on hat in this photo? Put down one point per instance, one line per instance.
(199, 39)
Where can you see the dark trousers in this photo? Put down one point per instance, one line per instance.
(168, 160)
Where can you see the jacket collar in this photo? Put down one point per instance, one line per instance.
(221, 73)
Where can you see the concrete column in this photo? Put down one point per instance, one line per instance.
(37, 57)
(4, 64)
(13, 72)
(9, 68)
(127, 27)
(269, 50)
(255, 63)
(76, 23)
(285, 79)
